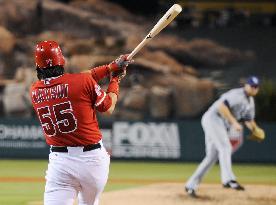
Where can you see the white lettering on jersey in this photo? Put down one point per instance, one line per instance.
(98, 90)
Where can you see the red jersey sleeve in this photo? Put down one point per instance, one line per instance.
(100, 72)
(99, 98)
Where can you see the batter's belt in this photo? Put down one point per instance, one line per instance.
(86, 148)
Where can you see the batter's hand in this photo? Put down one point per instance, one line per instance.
(118, 75)
(120, 63)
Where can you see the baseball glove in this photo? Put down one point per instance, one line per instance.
(257, 134)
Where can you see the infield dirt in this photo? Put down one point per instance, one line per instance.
(173, 194)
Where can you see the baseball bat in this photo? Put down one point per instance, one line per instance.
(162, 23)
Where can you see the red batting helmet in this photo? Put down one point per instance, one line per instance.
(47, 54)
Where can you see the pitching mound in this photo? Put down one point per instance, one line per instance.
(173, 194)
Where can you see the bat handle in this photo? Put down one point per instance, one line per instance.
(138, 48)
(130, 56)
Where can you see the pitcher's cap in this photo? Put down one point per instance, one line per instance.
(253, 81)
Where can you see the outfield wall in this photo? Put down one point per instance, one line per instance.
(177, 141)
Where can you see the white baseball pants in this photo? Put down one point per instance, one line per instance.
(218, 147)
(76, 174)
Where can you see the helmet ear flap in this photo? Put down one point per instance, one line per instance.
(48, 54)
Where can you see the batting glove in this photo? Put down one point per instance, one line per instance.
(118, 75)
(120, 63)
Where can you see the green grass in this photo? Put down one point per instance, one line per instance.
(123, 175)
(23, 168)
(20, 193)
(247, 173)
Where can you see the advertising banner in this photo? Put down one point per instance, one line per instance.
(21, 136)
(177, 141)
(146, 140)
(24, 139)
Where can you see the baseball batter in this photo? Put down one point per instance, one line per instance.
(66, 106)
(219, 123)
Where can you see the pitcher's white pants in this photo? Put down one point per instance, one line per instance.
(76, 173)
(218, 147)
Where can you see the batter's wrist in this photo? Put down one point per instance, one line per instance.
(113, 87)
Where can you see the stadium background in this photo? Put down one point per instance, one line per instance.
(211, 47)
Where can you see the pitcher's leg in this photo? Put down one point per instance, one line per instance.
(225, 161)
(224, 148)
(209, 160)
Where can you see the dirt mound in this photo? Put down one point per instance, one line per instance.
(173, 194)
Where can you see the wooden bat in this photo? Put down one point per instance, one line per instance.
(162, 23)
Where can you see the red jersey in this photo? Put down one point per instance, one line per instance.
(66, 107)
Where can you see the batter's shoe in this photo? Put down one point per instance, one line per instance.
(191, 192)
(234, 185)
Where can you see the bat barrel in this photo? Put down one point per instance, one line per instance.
(161, 24)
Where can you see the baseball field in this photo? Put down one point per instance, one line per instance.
(147, 183)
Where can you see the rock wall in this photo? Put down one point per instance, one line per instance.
(159, 85)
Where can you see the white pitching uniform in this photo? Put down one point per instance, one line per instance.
(220, 140)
